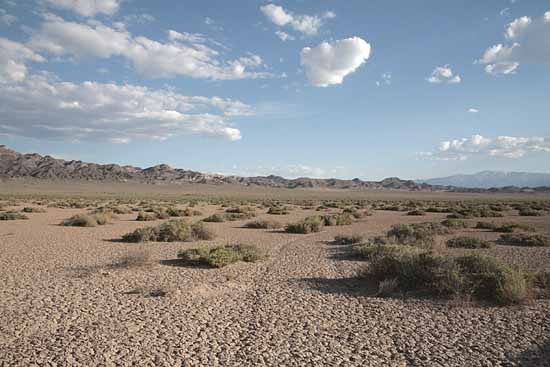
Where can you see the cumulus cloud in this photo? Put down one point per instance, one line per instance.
(473, 110)
(306, 24)
(283, 36)
(40, 105)
(182, 54)
(88, 8)
(527, 41)
(444, 75)
(329, 63)
(477, 145)
(13, 59)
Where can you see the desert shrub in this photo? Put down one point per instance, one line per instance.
(373, 250)
(29, 209)
(146, 217)
(485, 278)
(240, 210)
(486, 225)
(416, 212)
(231, 217)
(387, 287)
(171, 231)
(132, 260)
(85, 220)
(454, 223)
(338, 219)
(489, 279)
(215, 218)
(278, 210)
(528, 212)
(468, 242)
(434, 209)
(12, 216)
(121, 210)
(418, 234)
(348, 239)
(525, 239)
(220, 256)
(308, 225)
(263, 224)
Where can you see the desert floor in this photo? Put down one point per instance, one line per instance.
(66, 299)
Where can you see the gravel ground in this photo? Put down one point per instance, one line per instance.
(64, 302)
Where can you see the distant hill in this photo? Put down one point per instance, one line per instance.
(489, 179)
(15, 165)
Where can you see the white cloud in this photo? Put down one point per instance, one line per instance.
(88, 8)
(42, 106)
(13, 58)
(306, 24)
(329, 63)
(283, 36)
(386, 79)
(473, 110)
(444, 75)
(527, 41)
(292, 171)
(477, 145)
(6, 18)
(183, 54)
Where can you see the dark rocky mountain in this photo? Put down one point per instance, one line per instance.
(489, 179)
(14, 165)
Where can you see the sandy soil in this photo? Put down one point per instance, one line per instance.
(65, 302)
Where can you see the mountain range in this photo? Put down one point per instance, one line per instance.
(15, 165)
(489, 179)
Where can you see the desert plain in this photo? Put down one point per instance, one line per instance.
(80, 296)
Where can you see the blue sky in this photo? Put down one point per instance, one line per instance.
(366, 89)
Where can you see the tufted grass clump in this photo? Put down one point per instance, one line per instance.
(343, 219)
(146, 217)
(263, 224)
(214, 218)
(308, 225)
(525, 240)
(468, 243)
(171, 231)
(12, 216)
(220, 256)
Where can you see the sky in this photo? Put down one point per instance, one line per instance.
(344, 89)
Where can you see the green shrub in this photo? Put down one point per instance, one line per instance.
(454, 223)
(338, 219)
(348, 239)
(486, 225)
(171, 231)
(525, 240)
(278, 210)
(215, 218)
(85, 220)
(419, 234)
(528, 212)
(29, 209)
(308, 225)
(12, 216)
(484, 278)
(220, 256)
(231, 217)
(416, 212)
(468, 242)
(146, 217)
(263, 224)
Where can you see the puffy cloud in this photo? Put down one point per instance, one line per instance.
(444, 75)
(527, 41)
(473, 110)
(13, 58)
(41, 106)
(329, 63)
(477, 145)
(306, 24)
(88, 8)
(183, 54)
(283, 36)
